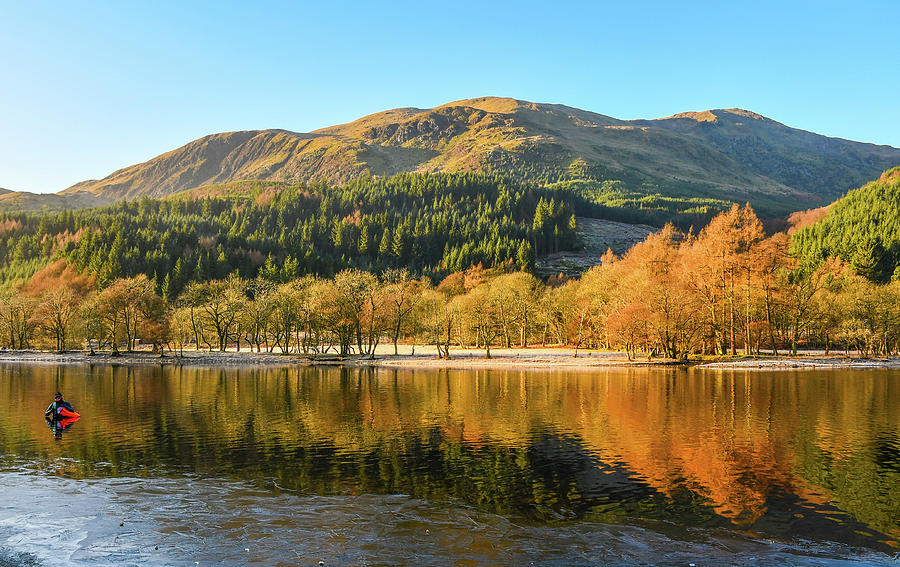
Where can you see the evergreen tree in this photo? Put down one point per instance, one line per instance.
(384, 249)
(870, 260)
(525, 257)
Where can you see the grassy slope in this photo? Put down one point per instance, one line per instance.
(16, 201)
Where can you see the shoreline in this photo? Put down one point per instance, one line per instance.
(514, 358)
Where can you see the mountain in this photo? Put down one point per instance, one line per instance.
(807, 162)
(730, 155)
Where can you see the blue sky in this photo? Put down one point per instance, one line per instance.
(86, 89)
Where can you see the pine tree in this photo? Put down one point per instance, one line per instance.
(525, 257)
(386, 243)
(270, 271)
(221, 268)
(870, 260)
(178, 275)
(398, 247)
(200, 271)
(166, 287)
(290, 269)
(337, 234)
(363, 245)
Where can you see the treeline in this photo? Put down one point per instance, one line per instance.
(647, 204)
(432, 224)
(724, 290)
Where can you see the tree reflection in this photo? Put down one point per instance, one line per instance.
(789, 455)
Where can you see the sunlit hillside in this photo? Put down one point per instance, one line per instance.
(720, 156)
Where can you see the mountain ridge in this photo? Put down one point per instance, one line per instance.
(733, 154)
(19, 201)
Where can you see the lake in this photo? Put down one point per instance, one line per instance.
(362, 466)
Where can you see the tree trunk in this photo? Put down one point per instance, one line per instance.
(747, 321)
(731, 315)
(397, 332)
(769, 321)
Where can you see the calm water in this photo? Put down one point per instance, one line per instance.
(361, 466)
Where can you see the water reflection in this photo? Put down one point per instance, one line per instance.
(187, 521)
(60, 426)
(787, 455)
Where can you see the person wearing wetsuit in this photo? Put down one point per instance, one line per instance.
(58, 403)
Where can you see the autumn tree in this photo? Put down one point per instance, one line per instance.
(720, 263)
(192, 299)
(402, 294)
(802, 283)
(17, 319)
(258, 310)
(481, 315)
(224, 301)
(181, 329)
(769, 259)
(125, 305)
(660, 295)
(349, 303)
(94, 321)
(436, 316)
(59, 291)
(56, 312)
(283, 303)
